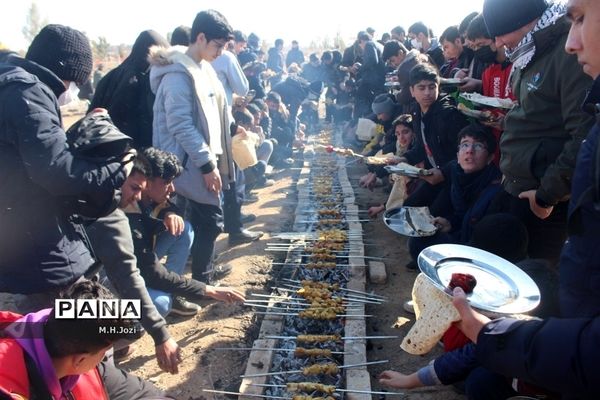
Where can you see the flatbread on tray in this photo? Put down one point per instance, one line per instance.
(420, 220)
(406, 169)
(377, 160)
(435, 313)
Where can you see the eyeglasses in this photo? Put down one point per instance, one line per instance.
(475, 146)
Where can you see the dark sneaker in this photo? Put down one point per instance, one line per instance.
(244, 236)
(247, 218)
(183, 307)
(412, 266)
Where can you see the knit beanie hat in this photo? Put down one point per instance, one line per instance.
(383, 104)
(64, 51)
(505, 16)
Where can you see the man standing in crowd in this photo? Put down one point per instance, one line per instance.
(543, 131)
(42, 246)
(38, 170)
(191, 120)
(538, 351)
(370, 75)
(276, 62)
(295, 55)
(420, 39)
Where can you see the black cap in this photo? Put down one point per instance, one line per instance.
(505, 16)
(64, 51)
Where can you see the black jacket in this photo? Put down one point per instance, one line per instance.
(442, 124)
(125, 92)
(41, 246)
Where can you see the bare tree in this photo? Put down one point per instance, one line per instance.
(33, 23)
(338, 41)
(101, 48)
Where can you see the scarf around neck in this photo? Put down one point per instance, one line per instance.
(521, 55)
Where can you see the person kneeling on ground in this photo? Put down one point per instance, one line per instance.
(402, 184)
(145, 227)
(245, 146)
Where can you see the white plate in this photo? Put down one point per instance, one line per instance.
(488, 101)
(502, 287)
(450, 81)
(396, 219)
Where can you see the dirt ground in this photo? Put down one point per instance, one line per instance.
(221, 325)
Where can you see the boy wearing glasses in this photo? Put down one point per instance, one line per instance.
(475, 181)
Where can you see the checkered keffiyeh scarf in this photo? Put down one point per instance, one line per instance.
(521, 55)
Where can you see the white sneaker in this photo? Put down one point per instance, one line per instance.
(409, 306)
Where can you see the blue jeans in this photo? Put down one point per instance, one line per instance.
(177, 249)
(264, 151)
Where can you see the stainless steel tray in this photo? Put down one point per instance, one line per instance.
(502, 287)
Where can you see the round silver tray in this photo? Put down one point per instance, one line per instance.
(396, 219)
(502, 287)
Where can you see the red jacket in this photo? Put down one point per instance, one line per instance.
(14, 380)
(495, 82)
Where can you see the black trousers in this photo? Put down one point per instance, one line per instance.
(121, 385)
(232, 209)
(207, 221)
(546, 236)
(436, 197)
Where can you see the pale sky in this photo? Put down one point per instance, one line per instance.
(304, 20)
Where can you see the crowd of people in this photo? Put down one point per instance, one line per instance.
(208, 115)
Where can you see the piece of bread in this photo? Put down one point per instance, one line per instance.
(422, 220)
(435, 313)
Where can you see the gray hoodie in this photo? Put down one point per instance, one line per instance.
(181, 125)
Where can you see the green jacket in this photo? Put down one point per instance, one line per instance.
(542, 134)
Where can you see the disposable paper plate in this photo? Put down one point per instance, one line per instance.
(502, 287)
(450, 81)
(488, 101)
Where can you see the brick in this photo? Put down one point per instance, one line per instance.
(377, 272)
(258, 362)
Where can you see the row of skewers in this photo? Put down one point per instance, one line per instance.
(325, 250)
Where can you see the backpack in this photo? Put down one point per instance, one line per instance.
(96, 139)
